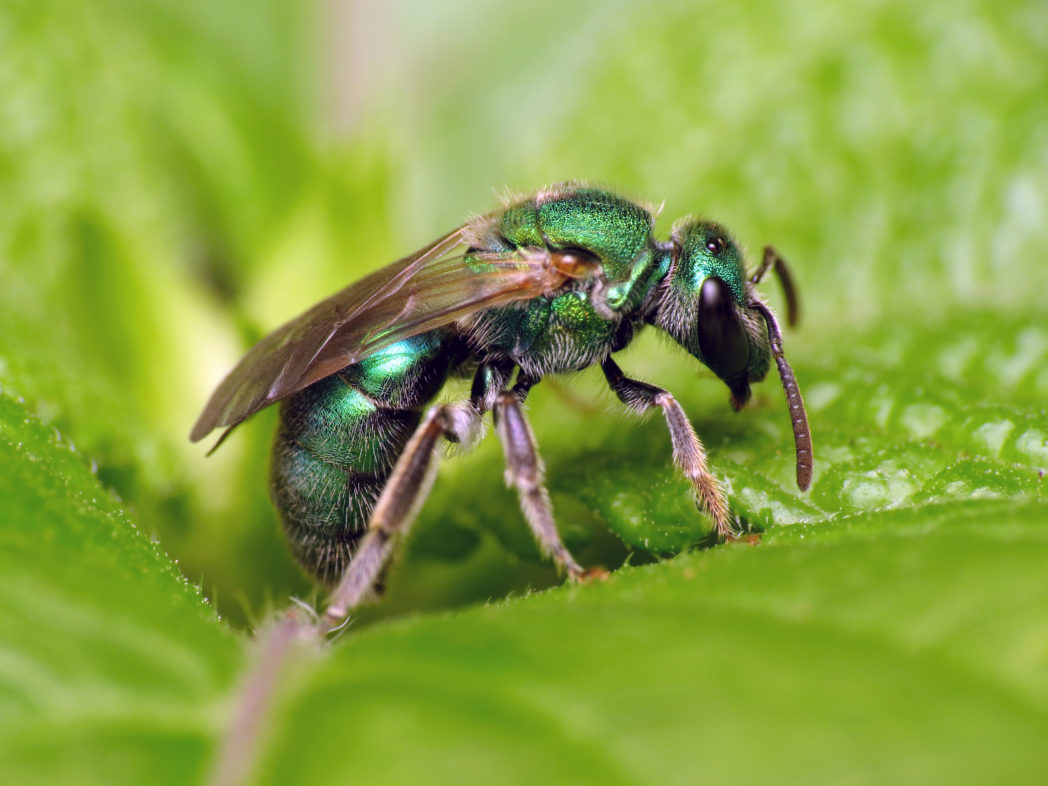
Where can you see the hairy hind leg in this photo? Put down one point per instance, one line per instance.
(397, 506)
(688, 451)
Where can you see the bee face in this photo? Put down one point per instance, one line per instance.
(705, 306)
(706, 250)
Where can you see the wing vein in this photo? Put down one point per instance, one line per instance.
(434, 287)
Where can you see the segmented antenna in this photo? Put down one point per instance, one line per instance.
(772, 260)
(798, 415)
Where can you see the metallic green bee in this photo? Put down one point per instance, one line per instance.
(551, 283)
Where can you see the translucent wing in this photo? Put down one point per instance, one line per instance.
(430, 288)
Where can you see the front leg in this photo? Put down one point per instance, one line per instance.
(688, 452)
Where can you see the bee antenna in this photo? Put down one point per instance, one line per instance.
(798, 415)
(773, 261)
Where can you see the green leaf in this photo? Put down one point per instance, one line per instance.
(907, 646)
(888, 627)
(178, 178)
(110, 661)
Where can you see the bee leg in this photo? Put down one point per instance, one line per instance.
(524, 471)
(397, 506)
(491, 378)
(688, 451)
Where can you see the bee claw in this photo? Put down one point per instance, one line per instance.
(585, 576)
(750, 538)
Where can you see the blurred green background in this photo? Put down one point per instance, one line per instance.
(176, 179)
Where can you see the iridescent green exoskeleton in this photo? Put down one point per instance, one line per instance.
(550, 283)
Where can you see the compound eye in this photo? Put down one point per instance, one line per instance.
(716, 244)
(723, 340)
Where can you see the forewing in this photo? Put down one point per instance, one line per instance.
(430, 288)
(270, 369)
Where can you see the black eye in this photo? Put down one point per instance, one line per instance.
(715, 244)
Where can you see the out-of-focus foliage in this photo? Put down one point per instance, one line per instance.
(177, 178)
(113, 668)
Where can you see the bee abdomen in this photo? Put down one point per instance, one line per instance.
(324, 507)
(337, 443)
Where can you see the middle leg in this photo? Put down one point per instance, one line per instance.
(525, 472)
(688, 452)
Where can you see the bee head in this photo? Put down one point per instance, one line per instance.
(704, 306)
